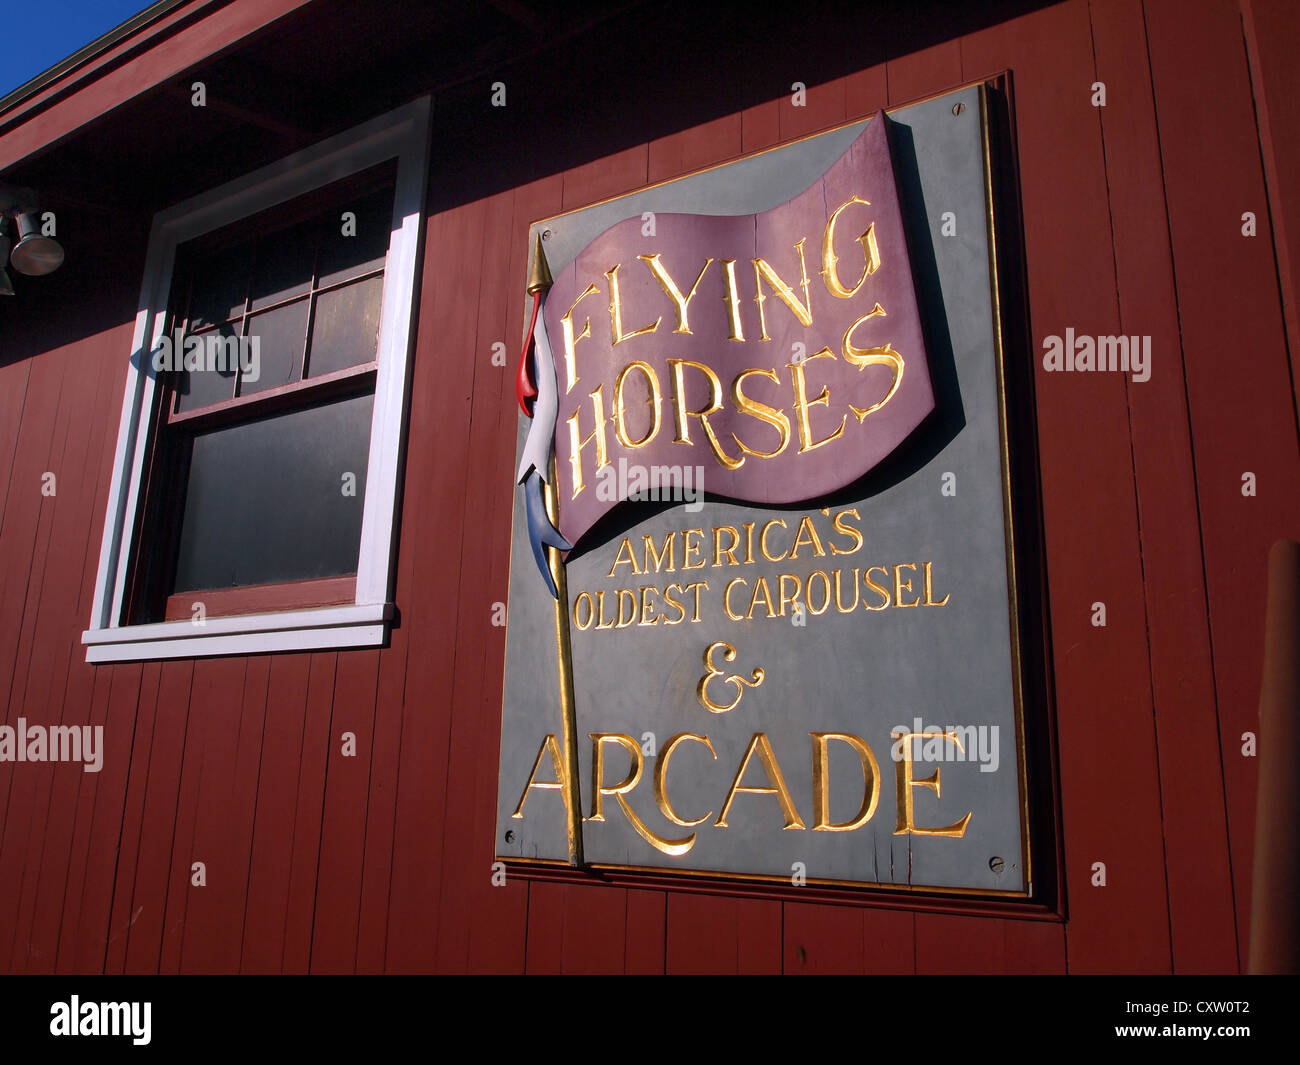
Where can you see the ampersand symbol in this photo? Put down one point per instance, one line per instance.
(734, 679)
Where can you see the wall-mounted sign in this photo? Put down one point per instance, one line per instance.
(762, 602)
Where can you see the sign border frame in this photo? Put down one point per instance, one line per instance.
(1050, 902)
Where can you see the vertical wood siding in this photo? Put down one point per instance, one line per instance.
(382, 862)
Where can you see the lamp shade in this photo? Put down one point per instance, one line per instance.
(35, 255)
(6, 287)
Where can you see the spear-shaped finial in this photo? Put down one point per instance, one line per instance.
(539, 282)
(539, 272)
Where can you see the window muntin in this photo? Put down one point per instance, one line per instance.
(309, 289)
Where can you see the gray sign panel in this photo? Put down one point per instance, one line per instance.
(796, 643)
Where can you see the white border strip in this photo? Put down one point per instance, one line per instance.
(322, 618)
(260, 643)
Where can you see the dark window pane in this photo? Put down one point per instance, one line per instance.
(280, 336)
(345, 331)
(343, 257)
(284, 264)
(212, 378)
(265, 500)
(220, 284)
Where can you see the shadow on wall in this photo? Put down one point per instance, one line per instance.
(650, 73)
(580, 86)
(96, 289)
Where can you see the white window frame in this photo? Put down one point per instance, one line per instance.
(402, 134)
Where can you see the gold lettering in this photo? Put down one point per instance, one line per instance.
(696, 587)
(848, 530)
(822, 783)
(736, 681)
(773, 417)
(631, 599)
(826, 596)
(616, 313)
(619, 560)
(647, 610)
(600, 612)
(570, 341)
(763, 271)
(762, 591)
(777, 787)
(695, 546)
(561, 783)
(790, 597)
(591, 610)
(812, 541)
(714, 404)
(681, 610)
(929, 601)
(655, 402)
(866, 579)
(802, 403)
(829, 259)
(726, 598)
(599, 789)
(576, 445)
(736, 329)
(674, 293)
(762, 540)
(857, 593)
(906, 782)
(661, 774)
(720, 552)
(658, 557)
(878, 356)
(900, 585)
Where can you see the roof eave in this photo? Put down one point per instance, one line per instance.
(96, 48)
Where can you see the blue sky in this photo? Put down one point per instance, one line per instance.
(51, 30)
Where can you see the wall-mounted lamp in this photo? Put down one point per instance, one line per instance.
(35, 254)
(6, 286)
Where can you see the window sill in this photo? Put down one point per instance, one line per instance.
(276, 598)
(363, 625)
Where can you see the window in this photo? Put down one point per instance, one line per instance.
(267, 409)
(255, 482)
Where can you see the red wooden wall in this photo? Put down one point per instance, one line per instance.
(1132, 217)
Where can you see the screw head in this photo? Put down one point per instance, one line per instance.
(510, 836)
(546, 234)
(997, 865)
(958, 108)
